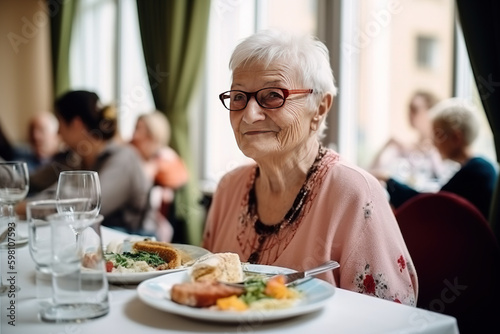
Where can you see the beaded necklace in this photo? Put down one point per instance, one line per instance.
(265, 231)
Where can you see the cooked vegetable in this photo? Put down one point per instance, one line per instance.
(109, 266)
(259, 290)
(254, 290)
(232, 303)
(276, 288)
(126, 259)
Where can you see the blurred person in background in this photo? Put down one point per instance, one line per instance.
(455, 127)
(417, 163)
(163, 166)
(89, 130)
(44, 141)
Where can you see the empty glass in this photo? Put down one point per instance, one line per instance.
(37, 213)
(14, 186)
(79, 283)
(40, 244)
(80, 185)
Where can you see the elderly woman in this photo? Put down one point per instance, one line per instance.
(455, 128)
(301, 204)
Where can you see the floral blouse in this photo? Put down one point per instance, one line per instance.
(341, 213)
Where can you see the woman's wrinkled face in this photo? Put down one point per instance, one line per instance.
(261, 132)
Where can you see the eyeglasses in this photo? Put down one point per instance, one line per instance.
(269, 98)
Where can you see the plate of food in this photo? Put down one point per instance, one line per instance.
(145, 259)
(262, 299)
(14, 240)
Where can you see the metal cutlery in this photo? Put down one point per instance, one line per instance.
(297, 277)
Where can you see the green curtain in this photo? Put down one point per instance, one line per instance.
(481, 28)
(62, 15)
(173, 36)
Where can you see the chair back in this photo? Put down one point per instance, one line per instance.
(457, 259)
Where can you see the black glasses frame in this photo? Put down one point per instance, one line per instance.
(286, 92)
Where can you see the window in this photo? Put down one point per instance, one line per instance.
(411, 54)
(427, 49)
(384, 49)
(106, 57)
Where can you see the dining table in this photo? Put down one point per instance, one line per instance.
(344, 312)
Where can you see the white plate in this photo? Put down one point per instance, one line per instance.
(20, 240)
(156, 293)
(133, 278)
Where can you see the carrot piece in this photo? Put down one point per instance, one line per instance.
(276, 288)
(231, 303)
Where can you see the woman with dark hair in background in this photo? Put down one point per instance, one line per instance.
(88, 128)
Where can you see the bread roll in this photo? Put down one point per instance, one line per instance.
(167, 252)
(224, 267)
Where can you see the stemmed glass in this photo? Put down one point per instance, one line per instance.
(14, 186)
(78, 196)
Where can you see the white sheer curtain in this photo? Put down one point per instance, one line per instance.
(106, 57)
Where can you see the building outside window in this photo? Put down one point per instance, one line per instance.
(427, 52)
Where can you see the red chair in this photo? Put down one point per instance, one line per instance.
(457, 259)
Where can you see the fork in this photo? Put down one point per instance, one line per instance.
(296, 276)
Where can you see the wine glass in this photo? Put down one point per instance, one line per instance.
(81, 186)
(78, 197)
(14, 186)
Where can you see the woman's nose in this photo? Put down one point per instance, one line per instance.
(253, 112)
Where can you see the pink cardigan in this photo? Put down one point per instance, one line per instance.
(347, 219)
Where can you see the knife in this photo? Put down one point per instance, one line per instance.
(294, 277)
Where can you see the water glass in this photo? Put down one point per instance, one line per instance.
(79, 283)
(40, 245)
(40, 240)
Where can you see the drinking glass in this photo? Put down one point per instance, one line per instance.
(40, 239)
(79, 193)
(79, 283)
(83, 187)
(40, 245)
(14, 186)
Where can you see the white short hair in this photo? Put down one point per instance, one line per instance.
(457, 114)
(307, 55)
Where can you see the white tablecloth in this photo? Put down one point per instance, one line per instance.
(346, 312)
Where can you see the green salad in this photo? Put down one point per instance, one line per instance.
(127, 259)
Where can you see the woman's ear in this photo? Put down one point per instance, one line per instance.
(322, 110)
